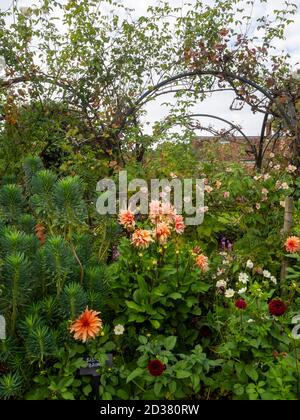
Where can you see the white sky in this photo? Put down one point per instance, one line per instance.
(220, 102)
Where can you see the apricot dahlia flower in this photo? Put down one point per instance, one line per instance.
(202, 262)
(87, 326)
(179, 224)
(162, 232)
(126, 219)
(292, 244)
(141, 238)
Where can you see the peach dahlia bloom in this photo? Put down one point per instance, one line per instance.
(202, 262)
(292, 244)
(141, 238)
(162, 232)
(126, 219)
(87, 326)
(179, 224)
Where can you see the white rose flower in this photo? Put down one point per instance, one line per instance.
(266, 274)
(249, 264)
(250, 321)
(229, 293)
(221, 283)
(242, 290)
(243, 278)
(273, 279)
(119, 329)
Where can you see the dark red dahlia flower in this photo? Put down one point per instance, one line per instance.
(241, 304)
(277, 307)
(155, 367)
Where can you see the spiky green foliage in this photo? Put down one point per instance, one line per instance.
(11, 202)
(42, 186)
(9, 179)
(13, 241)
(73, 300)
(68, 200)
(40, 343)
(50, 310)
(27, 223)
(60, 261)
(10, 386)
(17, 286)
(28, 324)
(96, 278)
(31, 165)
(83, 243)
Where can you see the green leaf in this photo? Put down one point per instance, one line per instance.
(170, 342)
(106, 396)
(175, 295)
(134, 306)
(122, 394)
(155, 323)
(87, 389)
(172, 387)
(143, 339)
(67, 395)
(157, 388)
(134, 374)
(182, 374)
(251, 372)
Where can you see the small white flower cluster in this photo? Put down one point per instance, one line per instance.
(208, 189)
(222, 284)
(119, 329)
(291, 169)
(243, 278)
(281, 185)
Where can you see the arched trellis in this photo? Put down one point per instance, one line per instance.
(258, 150)
(156, 90)
(229, 77)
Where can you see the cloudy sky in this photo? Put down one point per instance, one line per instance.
(218, 104)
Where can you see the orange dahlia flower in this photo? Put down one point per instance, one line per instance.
(87, 326)
(141, 238)
(292, 244)
(162, 232)
(126, 219)
(202, 262)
